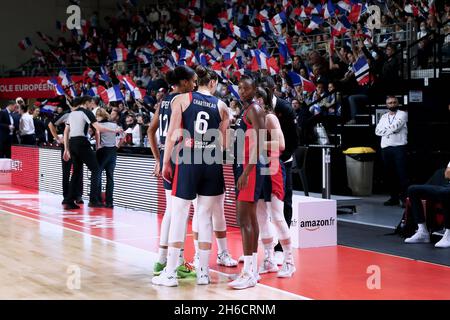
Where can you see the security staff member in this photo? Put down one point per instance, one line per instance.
(7, 129)
(57, 126)
(78, 148)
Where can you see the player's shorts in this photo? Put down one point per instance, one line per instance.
(274, 184)
(167, 185)
(191, 180)
(254, 186)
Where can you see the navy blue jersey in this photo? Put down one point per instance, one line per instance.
(201, 115)
(164, 117)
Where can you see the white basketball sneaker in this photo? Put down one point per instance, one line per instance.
(445, 241)
(203, 276)
(419, 237)
(166, 279)
(225, 259)
(267, 266)
(278, 257)
(287, 270)
(245, 280)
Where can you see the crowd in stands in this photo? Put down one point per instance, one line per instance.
(316, 51)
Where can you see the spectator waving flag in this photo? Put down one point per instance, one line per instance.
(25, 43)
(361, 71)
(65, 77)
(315, 22)
(104, 74)
(298, 80)
(119, 54)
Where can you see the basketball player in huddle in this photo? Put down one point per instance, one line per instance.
(182, 79)
(270, 205)
(249, 181)
(198, 170)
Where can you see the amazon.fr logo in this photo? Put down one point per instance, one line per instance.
(313, 225)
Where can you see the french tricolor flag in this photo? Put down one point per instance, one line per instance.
(208, 30)
(56, 87)
(263, 15)
(25, 43)
(185, 55)
(119, 54)
(314, 23)
(345, 5)
(329, 10)
(93, 92)
(73, 92)
(170, 37)
(228, 44)
(273, 66)
(237, 31)
(144, 57)
(156, 46)
(229, 58)
(104, 75)
(298, 80)
(168, 65)
(223, 18)
(355, 13)
(201, 59)
(284, 53)
(279, 18)
(65, 77)
(361, 71)
(89, 73)
(233, 89)
(254, 31)
(114, 94)
(86, 45)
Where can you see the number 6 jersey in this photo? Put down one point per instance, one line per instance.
(197, 170)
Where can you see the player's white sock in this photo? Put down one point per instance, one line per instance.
(248, 262)
(162, 256)
(181, 257)
(172, 259)
(204, 259)
(221, 245)
(255, 264)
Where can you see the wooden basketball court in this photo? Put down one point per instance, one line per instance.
(49, 253)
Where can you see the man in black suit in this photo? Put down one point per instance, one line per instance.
(287, 117)
(7, 129)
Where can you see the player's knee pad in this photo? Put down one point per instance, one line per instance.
(218, 214)
(179, 216)
(205, 206)
(263, 216)
(165, 224)
(277, 215)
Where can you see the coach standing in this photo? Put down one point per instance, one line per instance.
(78, 148)
(7, 129)
(287, 117)
(393, 131)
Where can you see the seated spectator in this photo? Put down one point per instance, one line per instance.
(423, 30)
(333, 101)
(439, 193)
(316, 108)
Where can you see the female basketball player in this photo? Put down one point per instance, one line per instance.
(247, 173)
(198, 173)
(270, 205)
(182, 79)
(219, 224)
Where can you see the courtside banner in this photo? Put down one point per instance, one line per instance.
(27, 87)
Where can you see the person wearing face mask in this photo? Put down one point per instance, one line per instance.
(393, 131)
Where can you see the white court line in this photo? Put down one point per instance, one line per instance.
(153, 254)
(8, 191)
